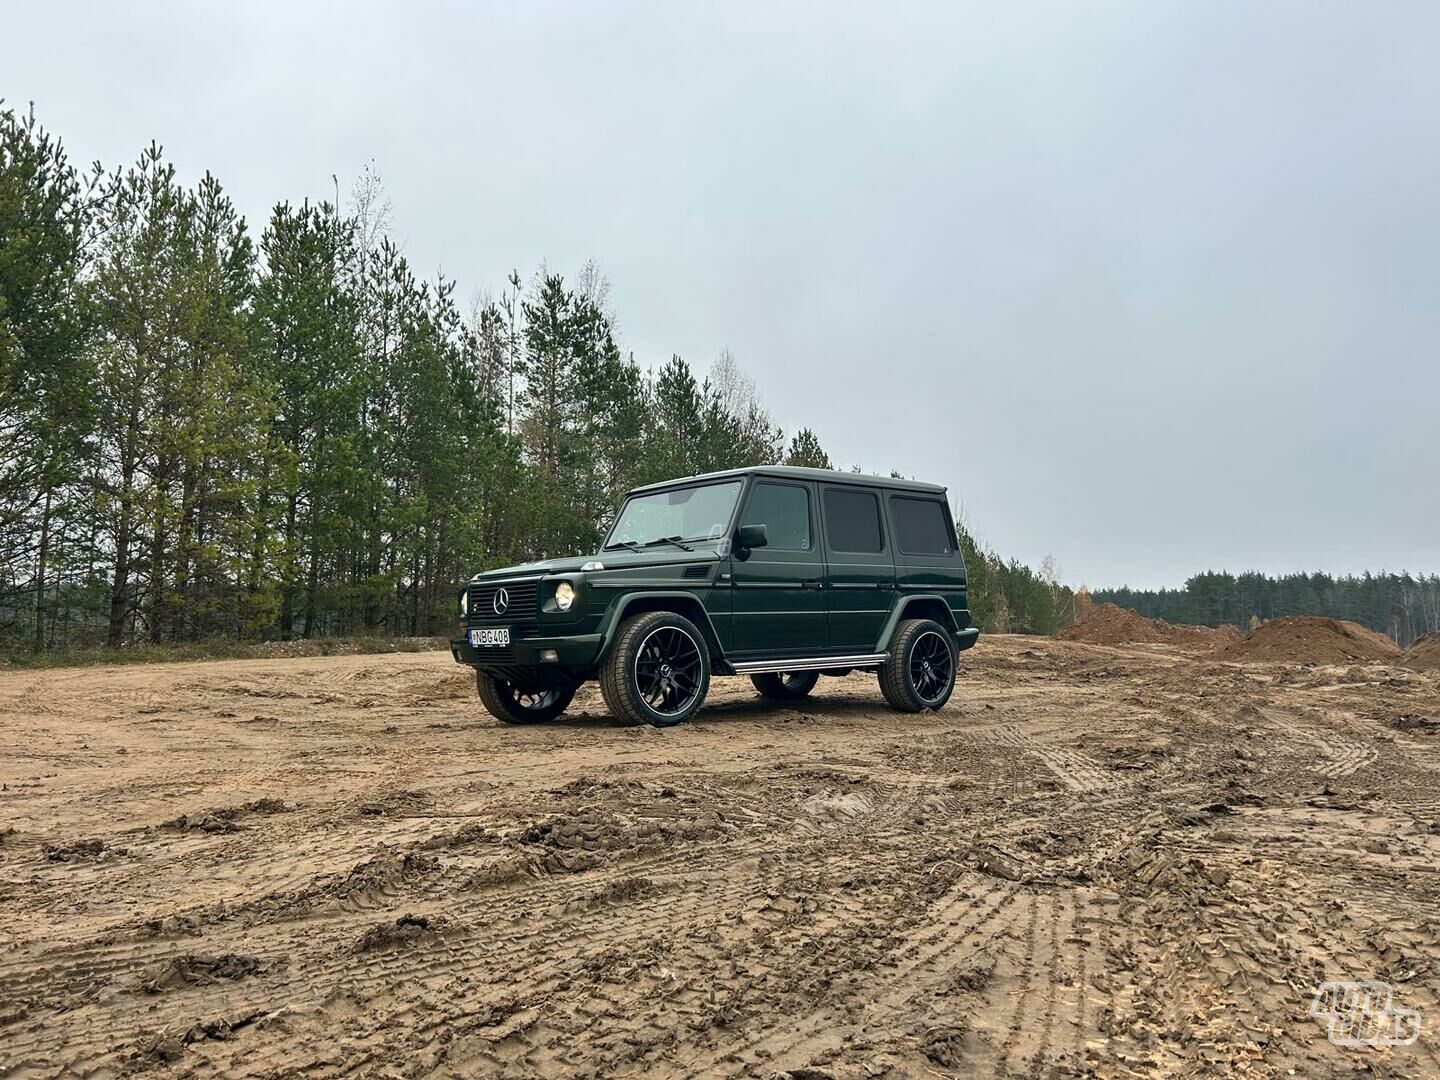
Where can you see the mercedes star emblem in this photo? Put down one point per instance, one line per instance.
(501, 601)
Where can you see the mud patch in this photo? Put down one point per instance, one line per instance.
(1422, 725)
(623, 891)
(836, 807)
(394, 803)
(944, 1044)
(226, 819)
(1151, 866)
(92, 850)
(974, 974)
(168, 1049)
(466, 836)
(199, 969)
(571, 843)
(171, 926)
(403, 933)
(385, 874)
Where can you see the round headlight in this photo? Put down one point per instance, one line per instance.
(564, 595)
(464, 602)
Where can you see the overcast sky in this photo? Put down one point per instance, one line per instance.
(1152, 287)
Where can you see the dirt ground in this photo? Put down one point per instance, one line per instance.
(1097, 861)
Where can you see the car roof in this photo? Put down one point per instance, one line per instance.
(794, 472)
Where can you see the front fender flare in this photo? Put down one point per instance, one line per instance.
(616, 615)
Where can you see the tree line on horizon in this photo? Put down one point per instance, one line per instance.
(1401, 606)
(207, 435)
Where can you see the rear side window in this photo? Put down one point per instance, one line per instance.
(852, 521)
(920, 527)
(784, 510)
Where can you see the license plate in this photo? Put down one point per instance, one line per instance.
(490, 635)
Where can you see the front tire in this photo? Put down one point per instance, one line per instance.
(919, 672)
(786, 686)
(657, 671)
(510, 704)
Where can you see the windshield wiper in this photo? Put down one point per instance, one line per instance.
(670, 540)
(631, 544)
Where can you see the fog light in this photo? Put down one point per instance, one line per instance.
(549, 656)
(564, 595)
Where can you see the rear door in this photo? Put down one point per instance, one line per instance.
(779, 603)
(860, 571)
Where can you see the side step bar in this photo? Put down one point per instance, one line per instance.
(817, 663)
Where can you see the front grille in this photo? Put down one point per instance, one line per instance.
(521, 614)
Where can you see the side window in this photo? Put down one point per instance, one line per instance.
(784, 510)
(920, 527)
(852, 521)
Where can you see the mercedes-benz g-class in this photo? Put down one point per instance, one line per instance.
(782, 574)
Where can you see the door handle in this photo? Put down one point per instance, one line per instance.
(812, 583)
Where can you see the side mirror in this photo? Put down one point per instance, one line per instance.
(751, 536)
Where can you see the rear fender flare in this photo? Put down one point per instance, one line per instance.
(923, 605)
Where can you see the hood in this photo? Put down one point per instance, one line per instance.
(617, 559)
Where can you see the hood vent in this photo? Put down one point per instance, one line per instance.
(699, 570)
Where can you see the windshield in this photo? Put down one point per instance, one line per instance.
(693, 513)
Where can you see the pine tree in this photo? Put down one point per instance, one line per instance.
(46, 387)
(805, 450)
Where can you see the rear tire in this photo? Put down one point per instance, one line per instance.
(511, 705)
(919, 672)
(786, 686)
(657, 671)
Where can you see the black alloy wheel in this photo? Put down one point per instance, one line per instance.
(787, 685)
(932, 668)
(667, 670)
(513, 704)
(919, 672)
(657, 671)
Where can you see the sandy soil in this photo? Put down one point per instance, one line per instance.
(1096, 861)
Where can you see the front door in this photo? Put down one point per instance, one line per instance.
(779, 605)
(860, 585)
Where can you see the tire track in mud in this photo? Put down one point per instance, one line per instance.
(955, 928)
(544, 978)
(1077, 771)
(1340, 755)
(837, 918)
(1061, 908)
(340, 930)
(1025, 975)
(560, 945)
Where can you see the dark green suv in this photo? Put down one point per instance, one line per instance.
(779, 573)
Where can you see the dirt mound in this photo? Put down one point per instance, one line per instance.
(1424, 652)
(1305, 639)
(1106, 624)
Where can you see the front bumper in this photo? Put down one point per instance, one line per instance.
(964, 639)
(573, 651)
